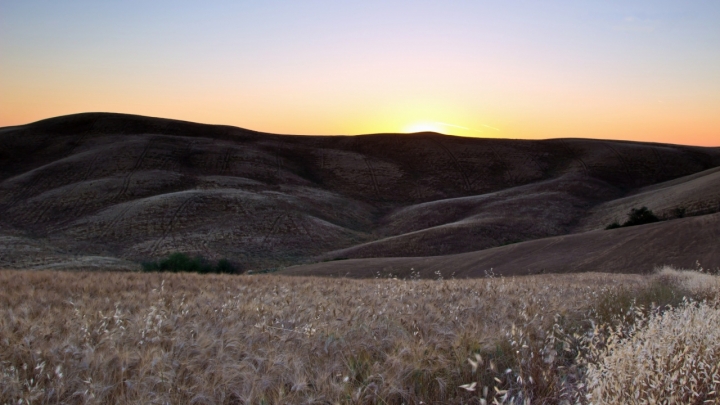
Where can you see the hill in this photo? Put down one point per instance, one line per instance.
(639, 249)
(100, 187)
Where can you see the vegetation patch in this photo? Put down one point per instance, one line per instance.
(670, 357)
(637, 216)
(622, 304)
(180, 262)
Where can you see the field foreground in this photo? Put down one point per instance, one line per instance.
(210, 339)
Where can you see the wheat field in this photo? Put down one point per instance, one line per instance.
(97, 338)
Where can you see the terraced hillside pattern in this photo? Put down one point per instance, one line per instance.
(111, 190)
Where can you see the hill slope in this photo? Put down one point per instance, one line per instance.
(135, 188)
(639, 249)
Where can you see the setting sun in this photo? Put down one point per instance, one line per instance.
(425, 127)
(446, 128)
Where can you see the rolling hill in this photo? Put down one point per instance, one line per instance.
(639, 249)
(111, 190)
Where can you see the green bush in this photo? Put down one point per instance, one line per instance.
(640, 216)
(224, 266)
(180, 262)
(637, 216)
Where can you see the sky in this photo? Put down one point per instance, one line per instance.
(633, 70)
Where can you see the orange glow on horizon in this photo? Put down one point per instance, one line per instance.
(521, 115)
(605, 70)
(685, 129)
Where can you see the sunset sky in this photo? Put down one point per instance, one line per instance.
(637, 70)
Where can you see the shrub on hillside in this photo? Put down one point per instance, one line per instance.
(637, 216)
(614, 225)
(180, 262)
(224, 266)
(640, 216)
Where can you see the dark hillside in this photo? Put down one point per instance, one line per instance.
(131, 187)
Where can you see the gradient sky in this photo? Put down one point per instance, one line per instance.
(637, 70)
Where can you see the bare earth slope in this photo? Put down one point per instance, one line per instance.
(696, 194)
(112, 187)
(639, 249)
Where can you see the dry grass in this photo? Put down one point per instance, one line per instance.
(660, 354)
(186, 338)
(671, 357)
(698, 283)
(211, 339)
(644, 344)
